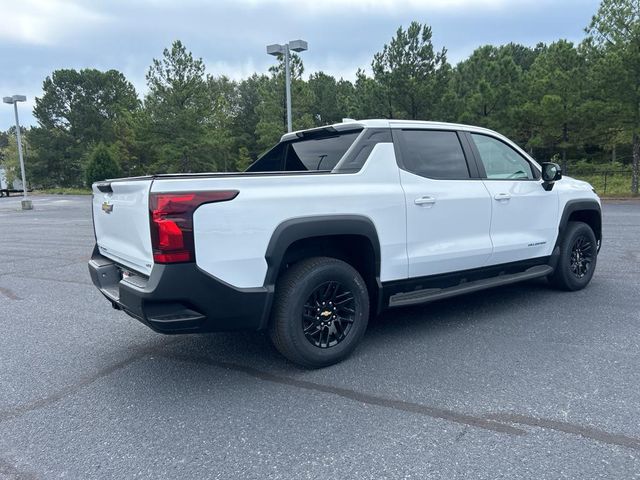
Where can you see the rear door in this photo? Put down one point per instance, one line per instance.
(524, 220)
(447, 206)
(121, 222)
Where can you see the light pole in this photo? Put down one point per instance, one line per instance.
(26, 203)
(277, 49)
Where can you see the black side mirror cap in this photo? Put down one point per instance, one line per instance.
(551, 172)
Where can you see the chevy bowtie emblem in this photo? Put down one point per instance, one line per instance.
(107, 207)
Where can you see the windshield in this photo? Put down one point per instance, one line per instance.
(313, 154)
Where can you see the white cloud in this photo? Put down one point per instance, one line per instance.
(233, 70)
(386, 5)
(362, 5)
(45, 22)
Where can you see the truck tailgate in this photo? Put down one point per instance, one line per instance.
(121, 223)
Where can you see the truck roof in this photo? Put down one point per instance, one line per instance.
(386, 123)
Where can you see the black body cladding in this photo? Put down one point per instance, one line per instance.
(181, 298)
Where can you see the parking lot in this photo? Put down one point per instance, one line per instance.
(519, 382)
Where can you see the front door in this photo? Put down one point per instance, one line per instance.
(524, 220)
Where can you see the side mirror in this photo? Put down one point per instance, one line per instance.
(551, 172)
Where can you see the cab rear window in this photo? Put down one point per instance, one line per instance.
(320, 153)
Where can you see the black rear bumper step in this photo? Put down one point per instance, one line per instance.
(431, 294)
(181, 298)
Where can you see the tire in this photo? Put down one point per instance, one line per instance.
(578, 257)
(308, 332)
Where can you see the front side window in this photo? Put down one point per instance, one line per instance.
(433, 154)
(312, 154)
(501, 162)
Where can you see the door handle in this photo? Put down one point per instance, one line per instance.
(502, 196)
(426, 200)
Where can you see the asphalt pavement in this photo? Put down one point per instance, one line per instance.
(517, 382)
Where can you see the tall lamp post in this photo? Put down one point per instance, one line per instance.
(26, 203)
(277, 49)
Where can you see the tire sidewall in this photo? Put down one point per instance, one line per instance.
(575, 230)
(333, 271)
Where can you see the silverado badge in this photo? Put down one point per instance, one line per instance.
(107, 207)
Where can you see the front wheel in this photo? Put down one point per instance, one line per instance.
(578, 256)
(320, 312)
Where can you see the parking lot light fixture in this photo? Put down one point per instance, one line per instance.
(26, 203)
(277, 50)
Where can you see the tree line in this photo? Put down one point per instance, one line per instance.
(576, 103)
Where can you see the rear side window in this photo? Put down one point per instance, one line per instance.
(312, 154)
(272, 161)
(433, 154)
(318, 154)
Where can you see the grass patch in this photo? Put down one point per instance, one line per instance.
(615, 184)
(63, 191)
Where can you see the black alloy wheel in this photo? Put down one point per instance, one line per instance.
(581, 256)
(328, 314)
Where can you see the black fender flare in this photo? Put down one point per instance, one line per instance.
(302, 228)
(576, 206)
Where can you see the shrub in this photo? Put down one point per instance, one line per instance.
(102, 165)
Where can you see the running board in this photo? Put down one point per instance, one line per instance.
(430, 294)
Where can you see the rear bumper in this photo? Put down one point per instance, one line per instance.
(181, 298)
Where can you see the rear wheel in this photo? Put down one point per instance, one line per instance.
(578, 256)
(320, 312)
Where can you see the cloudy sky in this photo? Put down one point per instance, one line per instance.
(39, 36)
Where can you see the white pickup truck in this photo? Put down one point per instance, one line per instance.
(335, 224)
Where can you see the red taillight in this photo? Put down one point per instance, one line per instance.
(171, 216)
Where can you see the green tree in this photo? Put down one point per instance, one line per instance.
(345, 98)
(614, 41)
(522, 55)
(130, 153)
(413, 76)
(57, 160)
(178, 106)
(223, 106)
(369, 99)
(246, 118)
(243, 160)
(328, 98)
(77, 110)
(487, 86)
(101, 165)
(4, 143)
(9, 159)
(556, 82)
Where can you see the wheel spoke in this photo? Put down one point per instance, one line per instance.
(330, 291)
(344, 300)
(345, 319)
(337, 323)
(327, 339)
(311, 329)
(320, 328)
(581, 258)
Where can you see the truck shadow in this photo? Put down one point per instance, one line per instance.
(389, 330)
(484, 305)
